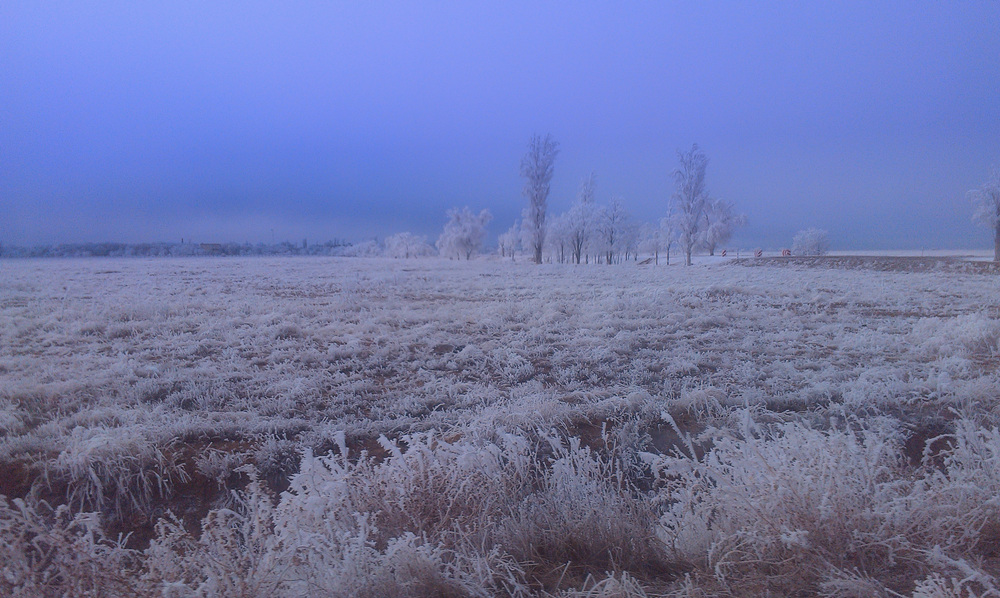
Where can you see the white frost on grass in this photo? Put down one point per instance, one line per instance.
(120, 378)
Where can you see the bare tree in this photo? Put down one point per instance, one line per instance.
(613, 228)
(588, 188)
(986, 200)
(657, 239)
(669, 236)
(536, 168)
(689, 200)
(580, 218)
(508, 241)
(560, 236)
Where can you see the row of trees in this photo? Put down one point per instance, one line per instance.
(591, 232)
(693, 218)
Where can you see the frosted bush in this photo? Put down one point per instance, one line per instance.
(811, 241)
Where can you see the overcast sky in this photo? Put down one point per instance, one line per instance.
(225, 121)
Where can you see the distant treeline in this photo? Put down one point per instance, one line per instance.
(334, 247)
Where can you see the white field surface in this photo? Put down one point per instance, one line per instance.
(494, 428)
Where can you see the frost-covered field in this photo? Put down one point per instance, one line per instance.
(354, 427)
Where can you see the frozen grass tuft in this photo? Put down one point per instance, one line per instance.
(114, 471)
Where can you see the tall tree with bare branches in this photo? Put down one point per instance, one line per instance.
(536, 168)
(581, 218)
(690, 199)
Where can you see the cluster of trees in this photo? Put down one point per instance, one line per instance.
(587, 232)
(608, 234)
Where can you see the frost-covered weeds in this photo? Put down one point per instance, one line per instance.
(767, 510)
(463, 518)
(125, 383)
(774, 510)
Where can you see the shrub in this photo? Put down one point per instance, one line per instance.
(812, 241)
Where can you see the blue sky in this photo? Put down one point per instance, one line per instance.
(225, 121)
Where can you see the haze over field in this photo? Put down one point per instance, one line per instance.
(258, 122)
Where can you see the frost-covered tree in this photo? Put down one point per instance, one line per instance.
(407, 245)
(463, 233)
(669, 233)
(588, 189)
(613, 230)
(580, 219)
(721, 220)
(812, 241)
(509, 241)
(656, 239)
(537, 168)
(631, 239)
(986, 200)
(688, 201)
(559, 237)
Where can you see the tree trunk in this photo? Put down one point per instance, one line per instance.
(687, 255)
